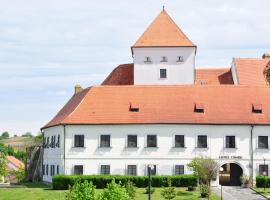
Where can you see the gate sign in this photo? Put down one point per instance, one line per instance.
(230, 157)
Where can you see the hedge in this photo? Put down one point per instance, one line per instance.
(260, 180)
(62, 182)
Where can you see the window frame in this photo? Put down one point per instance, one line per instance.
(136, 170)
(197, 142)
(160, 73)
(74, 144)
(127, 143)
(267, 171)
(156, 169)
(258, 142)
(100, 141)
(78, 165)
(175, 169)
(225, 142)
(174, 141)
(147, 146)
(105, 165)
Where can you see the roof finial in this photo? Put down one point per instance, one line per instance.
(163, 8)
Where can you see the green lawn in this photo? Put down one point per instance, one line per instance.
(35, 191)
(265, 192)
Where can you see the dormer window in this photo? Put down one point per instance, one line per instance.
(257, 108)
(164, 59)
(203, 82)
(134, 107)
(147, 59)
(180, 59)
(199, 108)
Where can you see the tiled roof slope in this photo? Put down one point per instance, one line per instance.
(227, 104)
(163, 31)
(123, 75)
(14, 161)
(250, 70)
(217, 76)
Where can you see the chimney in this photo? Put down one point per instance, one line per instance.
(266, 56)
(78, 88)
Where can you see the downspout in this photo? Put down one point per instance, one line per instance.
(251, 153)
(64, 156)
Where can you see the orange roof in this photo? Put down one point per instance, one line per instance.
(213, 76)
(163, 32)
(223, 104)
(15, 161)
(250, 70)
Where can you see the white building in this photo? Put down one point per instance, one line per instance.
(161, 110)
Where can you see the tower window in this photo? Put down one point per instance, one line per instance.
(163, 73)
(180, 59)
(164, 59)
(147, 59)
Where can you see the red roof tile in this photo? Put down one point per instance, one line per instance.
(121, 75)
(213, 76)
(250, 70)
(223, 104)
(163, 31)
(17, 163)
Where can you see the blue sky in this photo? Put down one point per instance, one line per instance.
(48, 46)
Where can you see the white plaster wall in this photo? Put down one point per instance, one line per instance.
(177, 72)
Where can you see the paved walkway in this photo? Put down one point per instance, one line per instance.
(237, 193)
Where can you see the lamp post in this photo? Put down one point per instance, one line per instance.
(264, 173)
(221, 170)
(149, 169)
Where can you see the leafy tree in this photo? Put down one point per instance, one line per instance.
(114, 191)
(206, 169)
(130, 189)
(168, 192)
(266, 73)
(81, 191)
(3, 165)
(4, 135)
(19, 174)
(27, 134)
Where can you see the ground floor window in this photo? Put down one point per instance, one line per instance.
(78, 169)
(153, 169)
(47, 169)
(179, 169)
(57, 169)
(263, 170)
(43, 170)
(132, 170)
(105, 169)
(52, 170)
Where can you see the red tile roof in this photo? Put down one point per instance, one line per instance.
(121, 75)
(163, 31)
(14, 161)
(223, 104)
(250, 70)
(213, 76)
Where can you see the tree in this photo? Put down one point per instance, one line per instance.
(131, 191)
(19, 174)
(4, 135)
(81, 191)
(3, 166)
(27, 134)
(168, 192)
(266, 73)
(205, 169)
(114, 191)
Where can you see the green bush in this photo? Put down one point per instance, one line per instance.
(62, 182)
(152, 190)
(114, 191)
(81, 191)
(131, 191)
(168, 192)
(262, 181)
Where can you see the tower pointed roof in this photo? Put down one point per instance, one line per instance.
(163, 32)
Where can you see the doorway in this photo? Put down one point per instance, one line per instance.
(231, 175)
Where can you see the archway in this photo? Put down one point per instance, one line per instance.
(231, 174)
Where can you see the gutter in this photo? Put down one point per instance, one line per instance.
(64, 156)
(251, 154)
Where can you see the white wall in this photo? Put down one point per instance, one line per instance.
(177, 72)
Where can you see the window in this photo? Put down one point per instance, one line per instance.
(105, 169)
(51, 144)
(53, 141)
(257, 108)
(58, 141)
(153, 171)
(179, 169)
(47, 169)
(48, 142)
(202, 141)
(132, 170)
(180, 59)
(199, 108)
(57, 169)
(78, 169)
(147, 60)
(164, 59)
(52, 170)
(179, 141)
(262, 169)
(134, 107)
(43, 170)
(79, 141)
(230, 141)
(263, 142)
(105, 141)
(132, 141)
(151, 141)
(163, 73)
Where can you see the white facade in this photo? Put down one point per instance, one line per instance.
(165, 156)
(179, 70)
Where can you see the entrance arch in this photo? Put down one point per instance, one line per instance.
(231, 174)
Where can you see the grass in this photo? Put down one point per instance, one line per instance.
(39, 191)
(265, 192)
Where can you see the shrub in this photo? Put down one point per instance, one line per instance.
(152, 190)
(81, 191)
(114, 191)
(19, 174)
(62, 182)
(204, 190)
(262, 181)
(131, 191)
(168, 192)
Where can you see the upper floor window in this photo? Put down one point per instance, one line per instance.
(202, 141)
(132, 170)
(179, 169)
(263, 170)
(48, 142)
(58, 141)
(164, 59)
(230, 141)
(151, 141)
(180, 59)
(79, 141)
(147, 59)
(105, 141)
(132, 141)
(179, 141)
(105, 169)
(78, 169)
(263, 142)
(163, 73)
